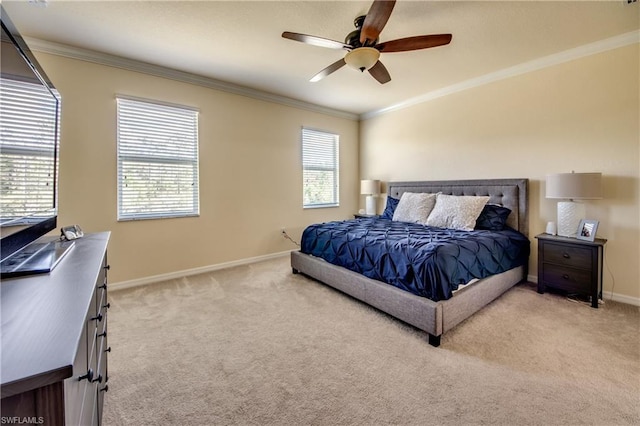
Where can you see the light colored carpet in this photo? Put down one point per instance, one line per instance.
(256, 345)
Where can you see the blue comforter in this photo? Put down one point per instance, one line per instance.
(426, 261)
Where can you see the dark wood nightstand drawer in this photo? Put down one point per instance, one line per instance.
(566, 278)
(561, 254)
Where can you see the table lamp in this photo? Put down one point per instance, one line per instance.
(573, 186)
(370, 188)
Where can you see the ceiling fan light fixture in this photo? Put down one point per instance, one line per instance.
(362, 58)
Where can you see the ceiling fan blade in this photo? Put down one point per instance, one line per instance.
(414, 43)
(380, 73)
(328, 70)
(315, 41)
(375, 21)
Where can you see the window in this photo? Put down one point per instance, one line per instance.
(27, 142)
(157, 160)
(319, 169)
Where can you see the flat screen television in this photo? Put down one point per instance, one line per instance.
(29, 140)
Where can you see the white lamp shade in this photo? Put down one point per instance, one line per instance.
(362, 58)
(369, 187)
(575, 186)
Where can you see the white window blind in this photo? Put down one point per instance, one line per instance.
(27, 138)
(319, 168)
(157, 160)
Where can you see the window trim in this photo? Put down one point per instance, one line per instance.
(335, 169)
(193, 162)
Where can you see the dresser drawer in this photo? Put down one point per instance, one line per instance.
(560, 254)
(566, 278)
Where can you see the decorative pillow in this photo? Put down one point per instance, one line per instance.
(493, 217)
(456, 211)
(414, 207)
(390, 208)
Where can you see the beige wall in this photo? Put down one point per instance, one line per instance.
(250, 171)
(582, 115)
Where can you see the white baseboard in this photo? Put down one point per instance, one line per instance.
(187, 272)
(606, 295)
(635, 301)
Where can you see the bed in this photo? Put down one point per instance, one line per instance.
(435, 317)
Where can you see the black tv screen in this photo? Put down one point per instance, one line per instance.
(30, 110)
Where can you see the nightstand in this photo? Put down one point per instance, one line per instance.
(363, 216)
(572, 265)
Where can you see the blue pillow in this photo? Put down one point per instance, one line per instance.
(493, 217)
(390, 208)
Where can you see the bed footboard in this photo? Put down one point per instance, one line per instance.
(435, 318)
(420, 312)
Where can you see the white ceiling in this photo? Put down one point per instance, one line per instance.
(240, 41)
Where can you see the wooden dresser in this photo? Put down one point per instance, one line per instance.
(54, 340)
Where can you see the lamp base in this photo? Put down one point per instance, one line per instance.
(371, 205)
(569, 215)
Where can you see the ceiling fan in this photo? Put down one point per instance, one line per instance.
(362, 43)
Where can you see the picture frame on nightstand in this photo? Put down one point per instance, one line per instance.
(587, 230)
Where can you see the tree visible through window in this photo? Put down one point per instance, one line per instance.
(157, 160)
(27, 140)
(319, 169)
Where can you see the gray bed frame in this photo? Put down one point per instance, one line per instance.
(435, 318)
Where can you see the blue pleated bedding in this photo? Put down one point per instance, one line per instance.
(426, 261)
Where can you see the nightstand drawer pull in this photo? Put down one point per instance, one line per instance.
(566, 255)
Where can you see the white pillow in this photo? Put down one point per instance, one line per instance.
(414, 207)
(457, 211)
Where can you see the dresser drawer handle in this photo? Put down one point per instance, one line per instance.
(104, 334)
(98, 379)
(107, 267)
(565, 276)
(105, 389)
(98, 318)
(88, 376)
(108, 349)
(566, 255)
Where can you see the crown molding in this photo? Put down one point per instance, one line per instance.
(159, 71)
(526, 67)
(182, 76)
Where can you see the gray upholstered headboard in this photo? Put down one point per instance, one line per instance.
(511, 193)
